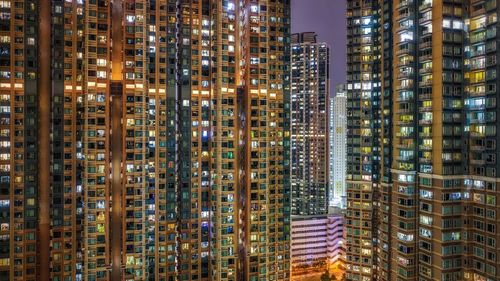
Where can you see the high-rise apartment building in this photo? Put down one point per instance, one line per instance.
(364, 140)
(422, 132)
(144, 140)
(309, 122)
(338, 148)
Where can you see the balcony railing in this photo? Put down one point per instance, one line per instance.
(425, 6)
(425, 160)
(425, 147)
(477, 161)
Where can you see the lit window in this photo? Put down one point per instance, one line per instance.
(130, 18)
(101, 74)
(101, 62)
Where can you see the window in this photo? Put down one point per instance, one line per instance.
(424, 232)
(491, 200)
(426, 220)
(425, 194)
(101, 74)
(101, 62)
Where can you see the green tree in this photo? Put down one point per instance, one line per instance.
(326, 276)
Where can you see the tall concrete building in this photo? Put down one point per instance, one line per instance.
(422, 132)
(309, 125)
(365, 140)
(338, 148)
(144, 140)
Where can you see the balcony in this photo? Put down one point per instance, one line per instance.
(425, 122)
(404, 158)
(405, 49)
(406, 146)
(424, 20)
(490, 5)
(405, 122)
(425, 45)
(404, 87)
(406, 62)
(404, 4)
(477, 148)
(451, 119)
(425, 147)
(425, 134)
(405, 110)
(403, 16)
(478, 12)
(477, 38)
(425, 70)
(476, 107)
(477, 121)
(477, 162)
(405, 98)
(477, 93)
(405, 135)
(425, 96)
(425, 108)
(426, 34)
(427, 57)
(491, 48)
(425, 160)
(425, 7)
(426, 83)
(404, 75)
(451, 160)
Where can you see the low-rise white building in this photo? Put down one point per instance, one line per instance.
(316, 240)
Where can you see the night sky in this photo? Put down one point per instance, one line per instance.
(327, 18)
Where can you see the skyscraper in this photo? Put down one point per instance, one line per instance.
(338, 148)
(144, 140)
(422, 132)
(364, 91)
(309, 141)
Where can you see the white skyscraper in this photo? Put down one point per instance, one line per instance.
(338, 126)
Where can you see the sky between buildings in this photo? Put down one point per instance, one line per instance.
(327, 18)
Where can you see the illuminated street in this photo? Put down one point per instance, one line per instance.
(314, 273)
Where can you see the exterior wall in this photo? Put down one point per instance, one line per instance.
(144, 140)
(480, 188)
(435, 213)
(363, 136)
(266, 141)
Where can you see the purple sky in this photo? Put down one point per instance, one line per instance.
(327, 18)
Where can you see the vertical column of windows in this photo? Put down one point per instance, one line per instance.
(12, 168)
(363, 129)
(135, 152)
(403, 197)
(480, 109)
(25, 123)
(96, 139)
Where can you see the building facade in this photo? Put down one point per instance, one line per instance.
(422, 92)
(364, 139)
(309, 125)
(144, 140)
(338, 148)
(316, 240)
